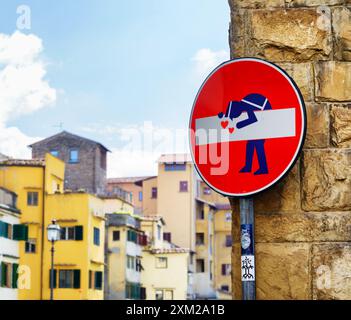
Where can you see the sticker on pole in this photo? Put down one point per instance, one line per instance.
(247, 127)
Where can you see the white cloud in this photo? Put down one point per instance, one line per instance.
(206, 60)
(23, 89)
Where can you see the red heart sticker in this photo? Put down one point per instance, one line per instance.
(224, 124)
(231, 130)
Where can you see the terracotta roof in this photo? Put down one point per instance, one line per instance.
(175, 158)
(128, 179)
(66, 133)
(23, 162)
(170, 250)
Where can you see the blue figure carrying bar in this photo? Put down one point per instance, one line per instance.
(251, 103)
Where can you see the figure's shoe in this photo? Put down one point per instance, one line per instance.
(261, 171)
(245, 170)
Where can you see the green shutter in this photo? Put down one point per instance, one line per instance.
(79, 232)
(55, 278)
(2, 229)
(14, 275)
(20, 232)
(3, 274)
(76, 279)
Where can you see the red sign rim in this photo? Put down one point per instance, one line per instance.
(303, 127)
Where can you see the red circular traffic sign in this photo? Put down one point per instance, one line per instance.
(247, 126)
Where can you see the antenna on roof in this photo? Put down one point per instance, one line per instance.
(60, 125)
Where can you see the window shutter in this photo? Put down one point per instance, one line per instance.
(2, 229)
(76, 279)
(5, 230)
(14, 275)
(79, 232)
(2, 275)
(20, 232)
(55, 278)
(98, 280)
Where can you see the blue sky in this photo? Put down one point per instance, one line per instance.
(119, 63)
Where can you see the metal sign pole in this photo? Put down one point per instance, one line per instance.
(247, 231)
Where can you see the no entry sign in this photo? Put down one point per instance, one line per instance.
(247, 126)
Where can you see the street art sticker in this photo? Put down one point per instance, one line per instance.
(248, 268)
(247, 127)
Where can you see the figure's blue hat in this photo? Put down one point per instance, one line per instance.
(256, 100)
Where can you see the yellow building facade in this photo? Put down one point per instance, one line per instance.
(79, 255)
(164, 266)
(123, 256)
(32, 180)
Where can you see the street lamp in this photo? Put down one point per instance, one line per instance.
(53, 235)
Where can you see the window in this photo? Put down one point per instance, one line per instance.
(69, 279)
(226, 269)
(73, 156)
(225, 288)
(103, 160)
(55, 153)
(138, 266)
(140, 196)
(72, 233)
(97, 236)
(168, 294)
(228, 216)
(115, 235)
(154, 193)
(175, 167)
(32, 198)
(133, 290)
(200, 214)
(200, 265)
(183, 186)
(31, 246)
(98, 280)
(228, 240)
(158, 232)
(167, 236)
(200, 238)
(159, 294)
(8, 275)
(161, 262)
(206, 191)
(132, 236)
(130, 262)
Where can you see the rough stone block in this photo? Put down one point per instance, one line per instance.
(312, 3)
(326, 180)
(342, 33)
(283, 197)
(340, 116)
(333, 81)
(302, 73)
(290, 35)
(282, 271)
(255, 4)
(331, 267)
(317, 135)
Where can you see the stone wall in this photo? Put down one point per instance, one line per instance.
(303, 224)
(87, 173)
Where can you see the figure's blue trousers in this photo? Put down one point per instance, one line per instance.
(250, 148)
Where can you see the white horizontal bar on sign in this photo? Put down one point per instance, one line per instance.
(270, 124)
